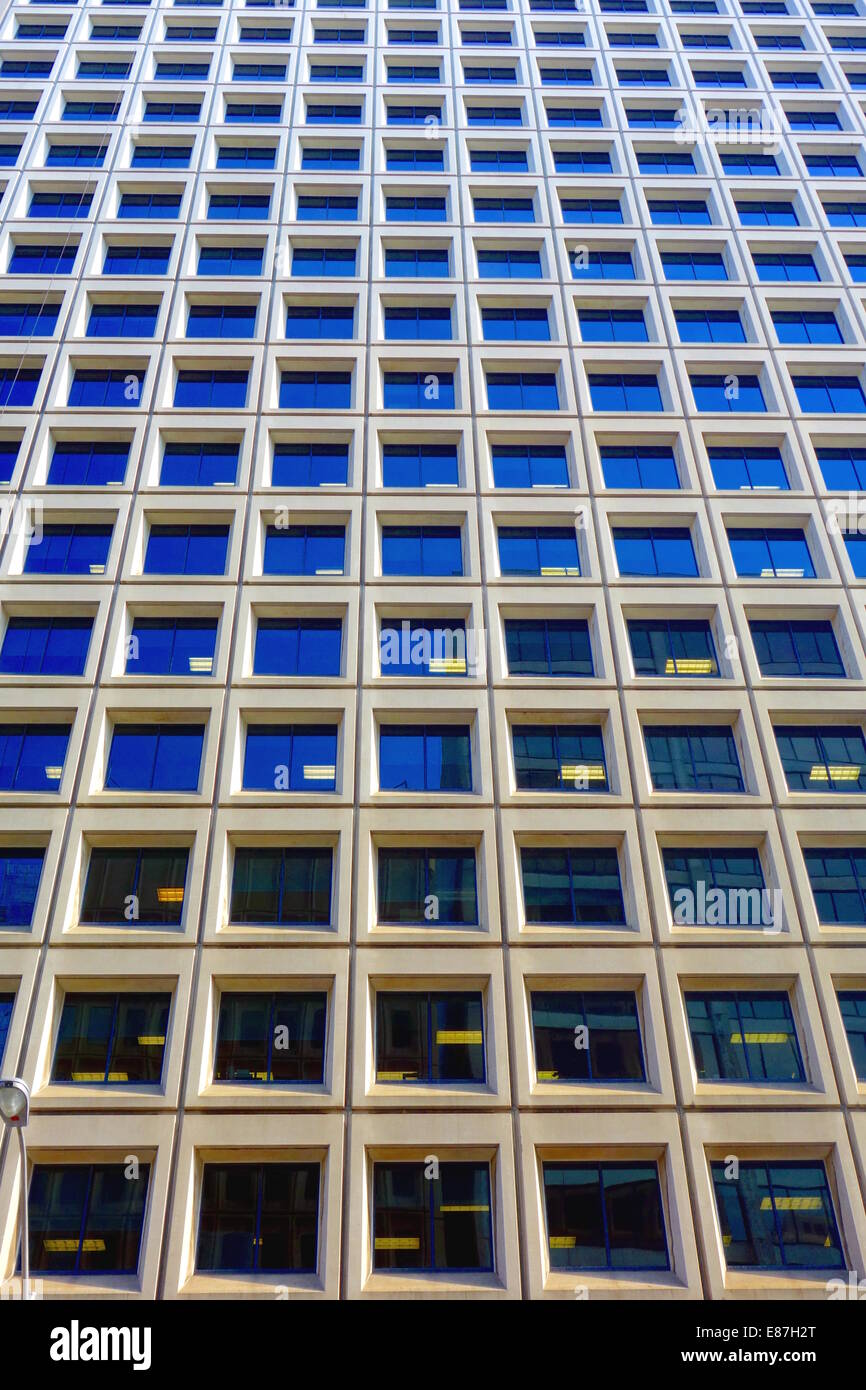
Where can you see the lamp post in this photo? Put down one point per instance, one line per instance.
(14, 1112)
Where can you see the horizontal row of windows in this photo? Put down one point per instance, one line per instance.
(291, 886)
(542, 551)
(99, 462)
(550, 758)
(785, 648)
(265, 1217)
(438, 1037)
(433, 388)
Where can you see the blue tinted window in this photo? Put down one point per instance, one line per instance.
(45, 646)
(71, 204)
(598, 211)
(76, 548)
(290, 757)
(773, 266)
(843, 468)
(320, 390)
(694, 265)
(420, 465)
(75, 156)
(655, 550)
(505, 263)
(327, 207)
(32, 756)
(418, 390)
(522, 391)
(624, 391)
(230, 260)
(298, 647)
(320, 321)
(88, 463)
(639, 466)
(420, 550)
(18, 386)
(425, 758)
(780, 553)
(231, 206)
(221, 321)
(417, 321)
(538, 550)
(323, 260)
(716, 886)
(515, 325)
(612, 325)
(310, 465)
(678, 212)
(171, 647)
(710, 326)
(422, 262)
(182, 549)
(27, 258)
(720, 393)
(122, 320)
(833, 394)
(152, 206)
(425, 647)
(529, 465)
(198, 464)
(806, 326)
(747, 466)
(155, 757)
(20, 872)
(101, 388)
(213, 387)
(602, 265)
(135, 260)
(767, 213)
(161, 156)
(304, 550)
(760, 1216)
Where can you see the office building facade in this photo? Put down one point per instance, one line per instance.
(433, 647)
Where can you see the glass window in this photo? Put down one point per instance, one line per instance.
(155, 757)
(421, 885)
(604, 1216)
(290, 757)
(700, 758)
(211, 388)
(111, 1039)
(20, 874)
(529, 465)
(425, 758)
(624, 391)
(672, 647)
(717, 886)
(282, 886)
(420, 465)
(744, 1035)
(655, 551)
(32, 756)
(198, 463)
(538, 550)
(837, 878)
(144, 887)
(75, 548)
(298, 647)
(559, 758)
(45, 646)
(781, 553)
(830, 758)
(418, 390)
(639, 466)
(186, 549)
(777, 1215)
(422, 550)
(843, 469)
(439, 1224)
(522, 391)
(799, 648)
(572, 887)
(852, 1007)
(743, 393)
(171, 647)
(548, 647)
(586, 1035)
(263, 1037)
(836, 395)
(437, 1038)
(310, 464)
(259, 1218)
(86, 1218)
(741, 467)
(425, 647)
(307, 550)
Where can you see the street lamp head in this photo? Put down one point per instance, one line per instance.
(14, 1102)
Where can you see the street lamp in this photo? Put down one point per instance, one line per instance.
(14, 1112)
